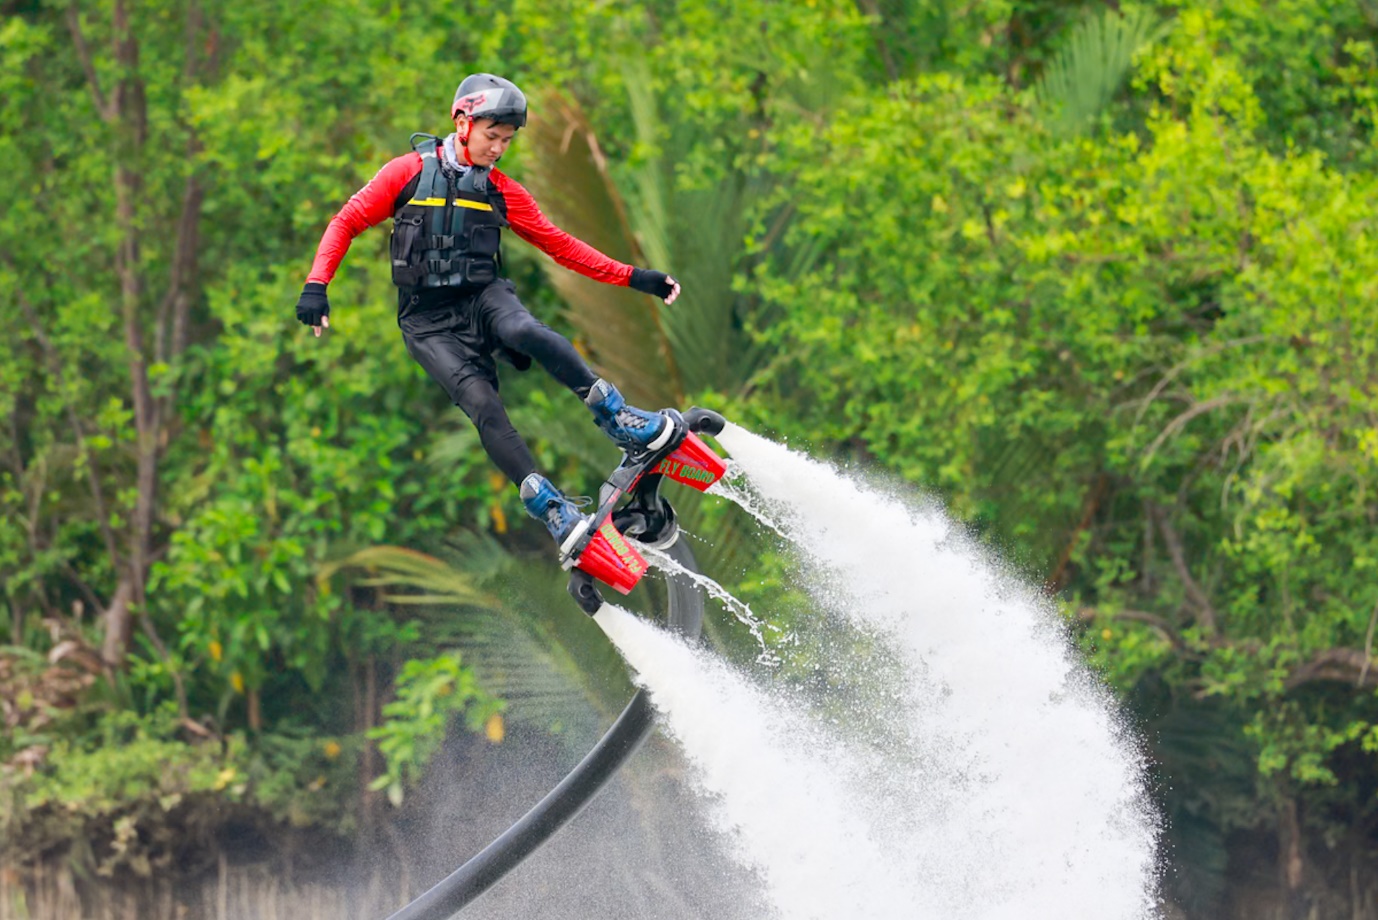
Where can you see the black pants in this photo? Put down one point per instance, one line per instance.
(455, 340)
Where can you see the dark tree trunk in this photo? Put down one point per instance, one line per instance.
(124, 109)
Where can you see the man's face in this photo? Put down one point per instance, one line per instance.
(487, 140)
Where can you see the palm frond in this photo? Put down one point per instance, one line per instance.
(652, 179)
(701, 233)
(458, 443)
(398, 567)
(545, 684)
(703, 329)
(1081, 79)
(554, 680)
(551, 662)
(570, 176)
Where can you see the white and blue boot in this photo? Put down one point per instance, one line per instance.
(549, 505)
(634, 430)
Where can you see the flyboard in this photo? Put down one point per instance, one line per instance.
(604, 550)
(599, 548)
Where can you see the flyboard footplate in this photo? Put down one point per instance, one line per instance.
(602, 552)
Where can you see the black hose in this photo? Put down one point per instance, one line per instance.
(576, 790)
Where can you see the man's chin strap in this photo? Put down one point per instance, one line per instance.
(455, 143)
(464, 141)
(450, 154)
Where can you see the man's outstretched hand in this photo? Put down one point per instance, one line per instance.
(313, 307)
(657, 284)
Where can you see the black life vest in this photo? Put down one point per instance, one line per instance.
(448, 234)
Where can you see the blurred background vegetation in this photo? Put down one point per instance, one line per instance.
(1102, 277)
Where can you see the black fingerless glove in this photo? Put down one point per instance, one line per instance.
(650, 281)
(313, 306)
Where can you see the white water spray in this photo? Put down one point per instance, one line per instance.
(777, 777)
(1007, 787)
(738, 608)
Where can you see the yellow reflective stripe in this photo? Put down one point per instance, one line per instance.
(459, 203)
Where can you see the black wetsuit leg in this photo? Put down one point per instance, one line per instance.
(508, 324)
(448, 345)
(480, 401)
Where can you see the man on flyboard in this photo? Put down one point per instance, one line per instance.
(449, 204)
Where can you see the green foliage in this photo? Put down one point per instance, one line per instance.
(126, 758)
(1143, 363)
(1310, 63)
(124, 794)
(273, 453)
(429, 693)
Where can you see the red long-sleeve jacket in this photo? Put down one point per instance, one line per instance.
(378, 200)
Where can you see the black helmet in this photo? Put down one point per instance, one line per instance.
(483, 95)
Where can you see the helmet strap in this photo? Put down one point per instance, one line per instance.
(464, 139)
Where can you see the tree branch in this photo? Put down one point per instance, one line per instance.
(119, 623)
(1205, 613)
(130, 104)
(870, 9)
(1178, 368)
(103, 105)
(86, 590)
(171, 343)
(1090, 506)
(178, 685)
(1347, 665)
(1368, 645)
(1153, 620)
(1180, 422)
(189, 56)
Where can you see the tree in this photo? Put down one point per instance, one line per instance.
(1143, 361)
